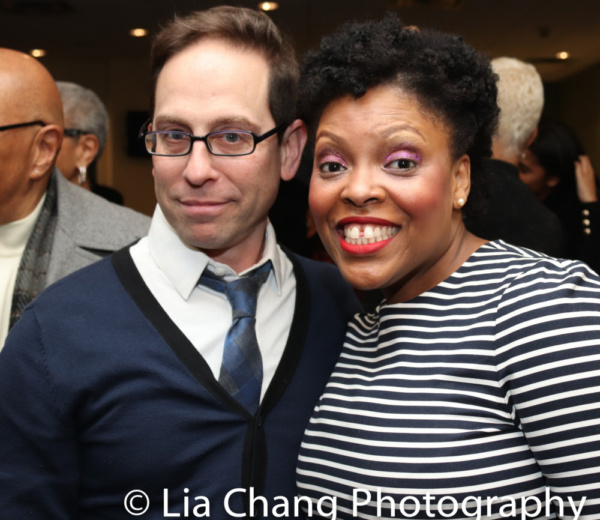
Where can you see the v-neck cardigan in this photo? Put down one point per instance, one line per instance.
(101, 394)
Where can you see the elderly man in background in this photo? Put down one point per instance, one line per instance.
(512, 213)
(48, 227)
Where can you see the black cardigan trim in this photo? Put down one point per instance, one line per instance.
(254, 462)
(295, 342)
(177, 341)
(254, 459)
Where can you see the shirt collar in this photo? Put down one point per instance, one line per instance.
(14, 235)
(183, 265)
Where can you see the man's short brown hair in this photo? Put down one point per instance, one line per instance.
(243, 27)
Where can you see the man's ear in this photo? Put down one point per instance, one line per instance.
(462, 181)
(292, 146)
(47, 145)
(87, 149)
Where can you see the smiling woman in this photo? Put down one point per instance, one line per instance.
(387, 193)
(470, 390)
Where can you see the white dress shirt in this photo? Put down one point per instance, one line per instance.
(171, 270)
(13, 240)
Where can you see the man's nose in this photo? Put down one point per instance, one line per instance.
(200, 165)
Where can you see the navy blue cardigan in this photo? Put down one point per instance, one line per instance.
(101, 394)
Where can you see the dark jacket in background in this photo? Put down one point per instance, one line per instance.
(581, 226)
(511, 212)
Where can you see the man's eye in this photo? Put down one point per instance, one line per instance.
(231, 137)
(175, 136)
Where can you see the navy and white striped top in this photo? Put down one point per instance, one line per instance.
(486, 386)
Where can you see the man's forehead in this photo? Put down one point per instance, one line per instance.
(27, 90)
(220, 58)
(12, 109)
(232, 120)
(213, 80)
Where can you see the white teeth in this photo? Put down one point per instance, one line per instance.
(368, 234)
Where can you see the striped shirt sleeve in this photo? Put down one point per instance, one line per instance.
(548, 359)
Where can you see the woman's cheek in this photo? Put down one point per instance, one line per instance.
(319, 198)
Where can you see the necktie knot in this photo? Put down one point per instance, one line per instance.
(242, 293)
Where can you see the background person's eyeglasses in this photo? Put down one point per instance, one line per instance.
(229, 143)
(75, 132)
(20, 125)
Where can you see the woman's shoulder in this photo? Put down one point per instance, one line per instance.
(498, 269)
(532, 278)
(500, 255)
(496, 275)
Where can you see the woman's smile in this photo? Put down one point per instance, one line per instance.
(363, 235)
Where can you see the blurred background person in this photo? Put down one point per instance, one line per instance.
(48, 227)
(86, 132)
(508, 211)
(560, 174)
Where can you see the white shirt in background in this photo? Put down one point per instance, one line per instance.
(13, 239)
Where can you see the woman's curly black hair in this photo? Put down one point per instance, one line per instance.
(447, 76)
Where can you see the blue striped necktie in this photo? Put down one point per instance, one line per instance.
(241, 369)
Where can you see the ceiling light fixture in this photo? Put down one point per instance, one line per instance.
(139, 32)
(268, 6)
(37, 53)
(563, 55)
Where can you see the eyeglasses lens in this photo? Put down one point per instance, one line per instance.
(168, 143)
(231, 143)
(219, 143)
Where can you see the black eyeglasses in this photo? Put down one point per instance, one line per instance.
(20, 125)
(230, 143)
(74, 132)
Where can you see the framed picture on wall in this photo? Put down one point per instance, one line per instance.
(134, 121)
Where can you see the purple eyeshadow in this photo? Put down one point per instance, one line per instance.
(403, 154)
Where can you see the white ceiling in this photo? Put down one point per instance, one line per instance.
(528, 29)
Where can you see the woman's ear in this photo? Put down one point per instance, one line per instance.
(292, 146)
(87, 149)
(47, 145)
(462, 181)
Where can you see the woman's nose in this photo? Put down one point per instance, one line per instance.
(362, 187)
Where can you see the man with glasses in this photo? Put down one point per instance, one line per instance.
(48, 228)
(179, 380)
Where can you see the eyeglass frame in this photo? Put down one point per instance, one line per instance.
(256, 139)
(75, 132)
(21, 125)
